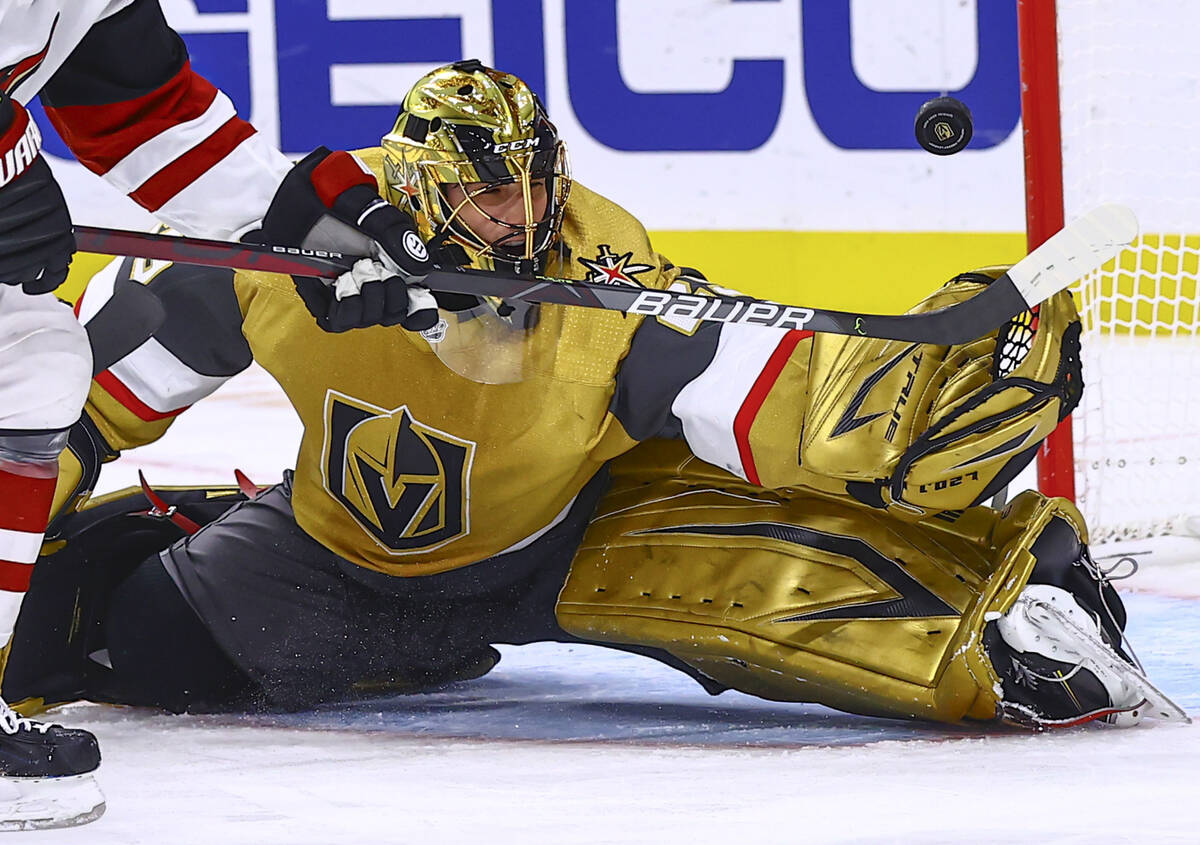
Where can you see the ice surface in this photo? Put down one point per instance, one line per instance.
(570, 744)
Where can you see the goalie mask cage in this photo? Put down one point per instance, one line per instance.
(1111, 111)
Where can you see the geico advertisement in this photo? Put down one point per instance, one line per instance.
(770, 120)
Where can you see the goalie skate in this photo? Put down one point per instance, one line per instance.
(1047, 631)
(45, 774)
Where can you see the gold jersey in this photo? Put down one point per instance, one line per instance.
(408, 468)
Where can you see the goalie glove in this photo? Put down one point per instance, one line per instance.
(368, 295)
(36, 242)
(917, 428)
(330, 201)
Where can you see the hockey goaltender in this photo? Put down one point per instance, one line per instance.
(795, 516)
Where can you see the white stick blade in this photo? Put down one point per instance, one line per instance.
(1081, 247)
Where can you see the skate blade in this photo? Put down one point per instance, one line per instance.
(42, 803)
(1090, 648)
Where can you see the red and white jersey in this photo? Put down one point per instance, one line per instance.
(118, 87)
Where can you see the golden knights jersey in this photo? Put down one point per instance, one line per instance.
(406, 467)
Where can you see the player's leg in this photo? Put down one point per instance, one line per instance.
(247, 613)
(809, 598)
(307, 626)
(412, 633)
(275, 601)
(297, 620)
(45, 368)
(238, 615)
(509, 599)
(429, 630)
(106, 621)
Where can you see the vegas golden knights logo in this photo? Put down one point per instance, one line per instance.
(407, 484)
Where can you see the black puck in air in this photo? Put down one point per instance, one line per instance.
(943, 126)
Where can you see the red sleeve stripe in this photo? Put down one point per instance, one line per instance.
(152, 156)
(102, 135)
(753, 402)
(231, 196)
(117, 390)
(183, 171)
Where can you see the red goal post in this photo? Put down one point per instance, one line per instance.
(1037, 32)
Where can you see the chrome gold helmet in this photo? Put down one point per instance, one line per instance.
(464, 131)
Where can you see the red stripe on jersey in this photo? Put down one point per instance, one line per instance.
(158, 190)
(14, 577)
(25, 499)
(117, 390)
(757, 395)
(102, 135)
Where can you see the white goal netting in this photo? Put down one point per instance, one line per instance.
(1130, 104)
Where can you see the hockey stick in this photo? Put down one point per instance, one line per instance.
(1081, 247)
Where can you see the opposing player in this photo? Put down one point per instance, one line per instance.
(802, 519)
(116, 83)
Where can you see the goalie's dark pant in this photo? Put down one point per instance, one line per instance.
(250, 609)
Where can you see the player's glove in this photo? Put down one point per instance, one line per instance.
(371, 294)
(919, 428)
(36, 241)
(330, 201)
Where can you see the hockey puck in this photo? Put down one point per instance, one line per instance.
(943, 126)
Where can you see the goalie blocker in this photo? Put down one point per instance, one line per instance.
(795, 597)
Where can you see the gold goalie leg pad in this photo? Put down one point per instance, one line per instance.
(802, 597)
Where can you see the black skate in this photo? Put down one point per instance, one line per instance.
(1061, 650)
(46, 774)
(1057, 670)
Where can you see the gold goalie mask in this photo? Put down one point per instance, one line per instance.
(479, 166)
(465, 131)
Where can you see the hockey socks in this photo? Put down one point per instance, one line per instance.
(45, 769)
(26, 495)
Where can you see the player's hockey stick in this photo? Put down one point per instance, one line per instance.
(1081, 247)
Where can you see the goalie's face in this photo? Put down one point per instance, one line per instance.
(507, 220)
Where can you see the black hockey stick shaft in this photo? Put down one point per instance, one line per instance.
(1072, 253)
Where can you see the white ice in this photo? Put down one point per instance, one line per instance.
(568, 744)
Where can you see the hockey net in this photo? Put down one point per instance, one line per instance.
(1129, 100)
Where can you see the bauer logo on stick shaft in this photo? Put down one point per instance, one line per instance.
(685, 306)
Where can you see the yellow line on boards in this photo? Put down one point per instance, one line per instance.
(884, 272)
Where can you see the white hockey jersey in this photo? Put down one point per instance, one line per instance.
(117, 85)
